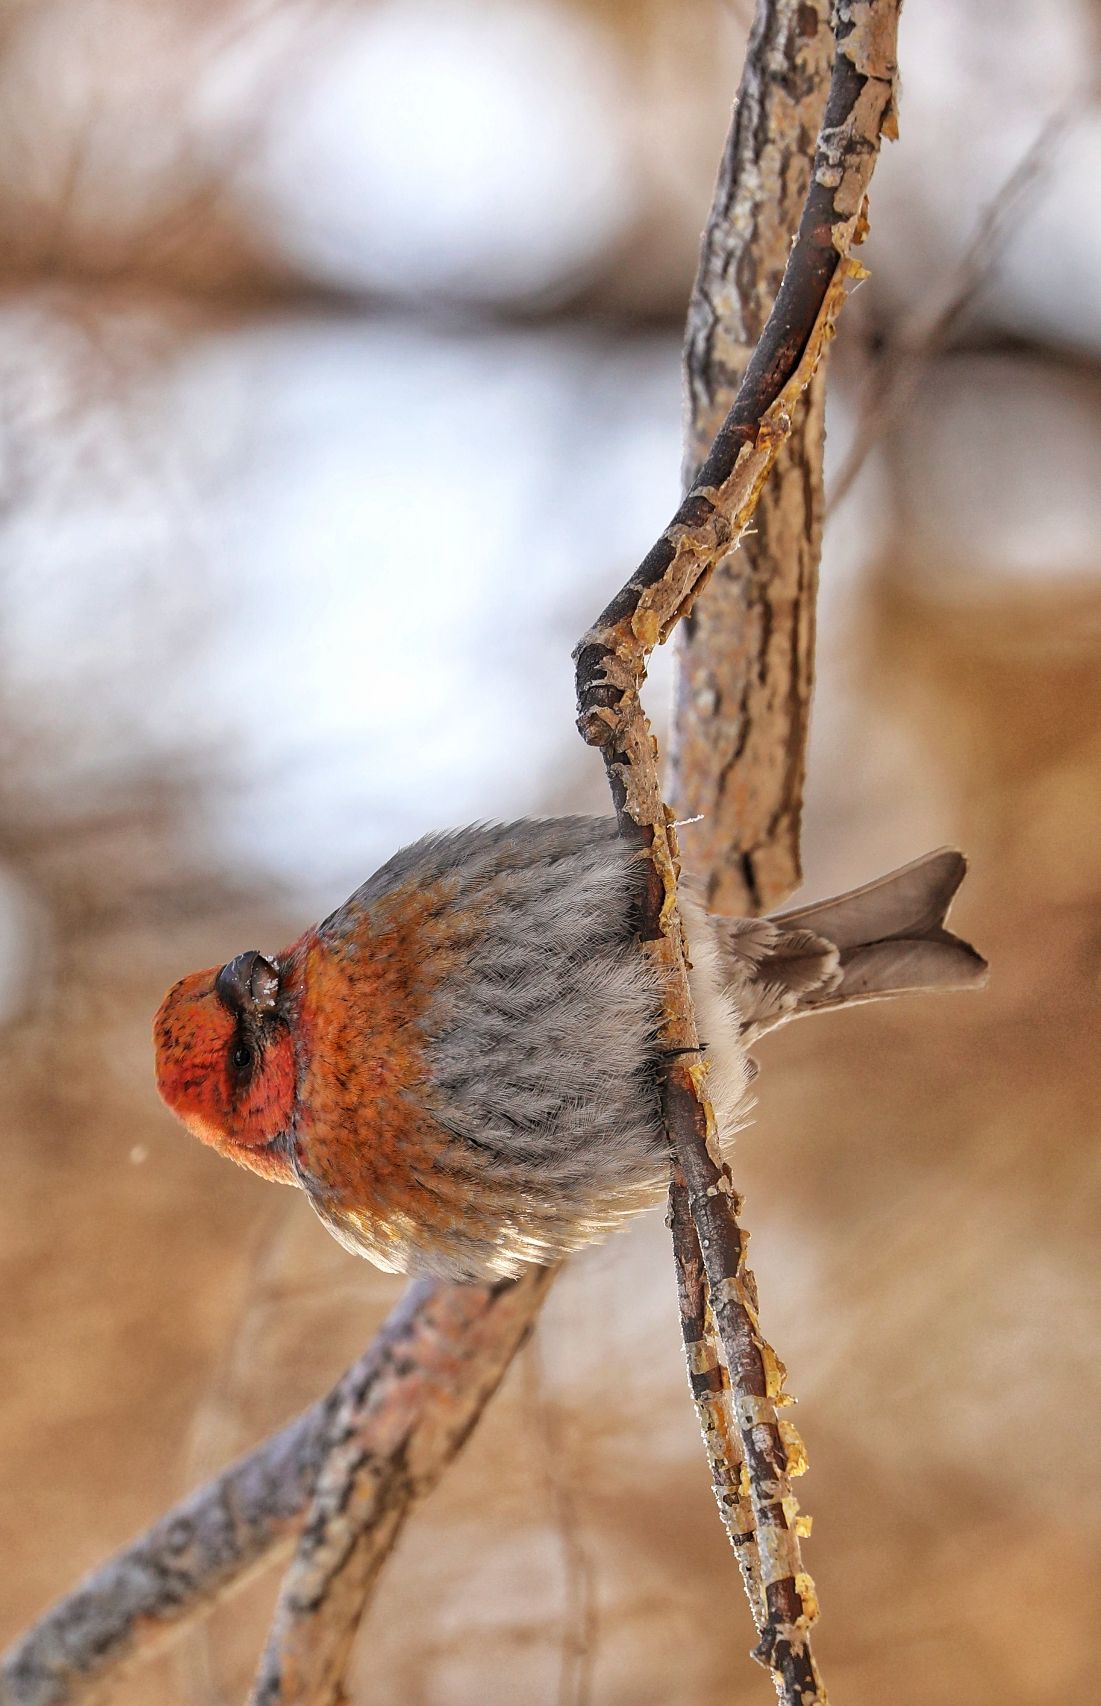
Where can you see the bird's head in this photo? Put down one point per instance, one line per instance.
(225, 1061)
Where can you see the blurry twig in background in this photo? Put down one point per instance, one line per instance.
(178, 216)
(611, 670)
(579, 1638)
(903, 358)
(220, 1405)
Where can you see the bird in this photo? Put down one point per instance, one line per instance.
(461, 1066)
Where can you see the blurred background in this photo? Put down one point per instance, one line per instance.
(339, 388)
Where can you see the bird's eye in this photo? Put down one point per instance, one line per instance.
(241, 1058)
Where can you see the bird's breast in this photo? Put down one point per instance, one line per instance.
(367, 1145)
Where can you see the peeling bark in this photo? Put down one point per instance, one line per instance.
(745, 653)
(745, 674)
(710, 1386)
(611, 664)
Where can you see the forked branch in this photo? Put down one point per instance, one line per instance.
(401, 1413)
(611, 668)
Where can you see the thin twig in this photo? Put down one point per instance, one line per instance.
(580, 1610)
(710, 1384)
(611, 667)
(924, 334)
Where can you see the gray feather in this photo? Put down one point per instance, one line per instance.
(886, 938)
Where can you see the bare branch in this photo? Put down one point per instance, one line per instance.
(390, 1438)
(746, 652)
(710, 1384)
(405, 1407)
(580, 1616)
(611, 668)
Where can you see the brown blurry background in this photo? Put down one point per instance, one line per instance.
(326, 329)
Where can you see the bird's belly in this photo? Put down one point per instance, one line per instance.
(460, 1219)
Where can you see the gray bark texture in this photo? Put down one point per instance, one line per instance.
(745, 653)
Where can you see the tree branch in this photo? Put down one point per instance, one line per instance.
(611, 668)
(403, 1409)
(745, 654)
(710, 1386)
(381, 1459)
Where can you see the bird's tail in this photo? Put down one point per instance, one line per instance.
(886, 938)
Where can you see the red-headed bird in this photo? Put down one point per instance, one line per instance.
(461, 1065)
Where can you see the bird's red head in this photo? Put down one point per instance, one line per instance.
(225, 1061)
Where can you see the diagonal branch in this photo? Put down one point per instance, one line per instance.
(379, 1462)
(406, 1407)
(611, 668)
